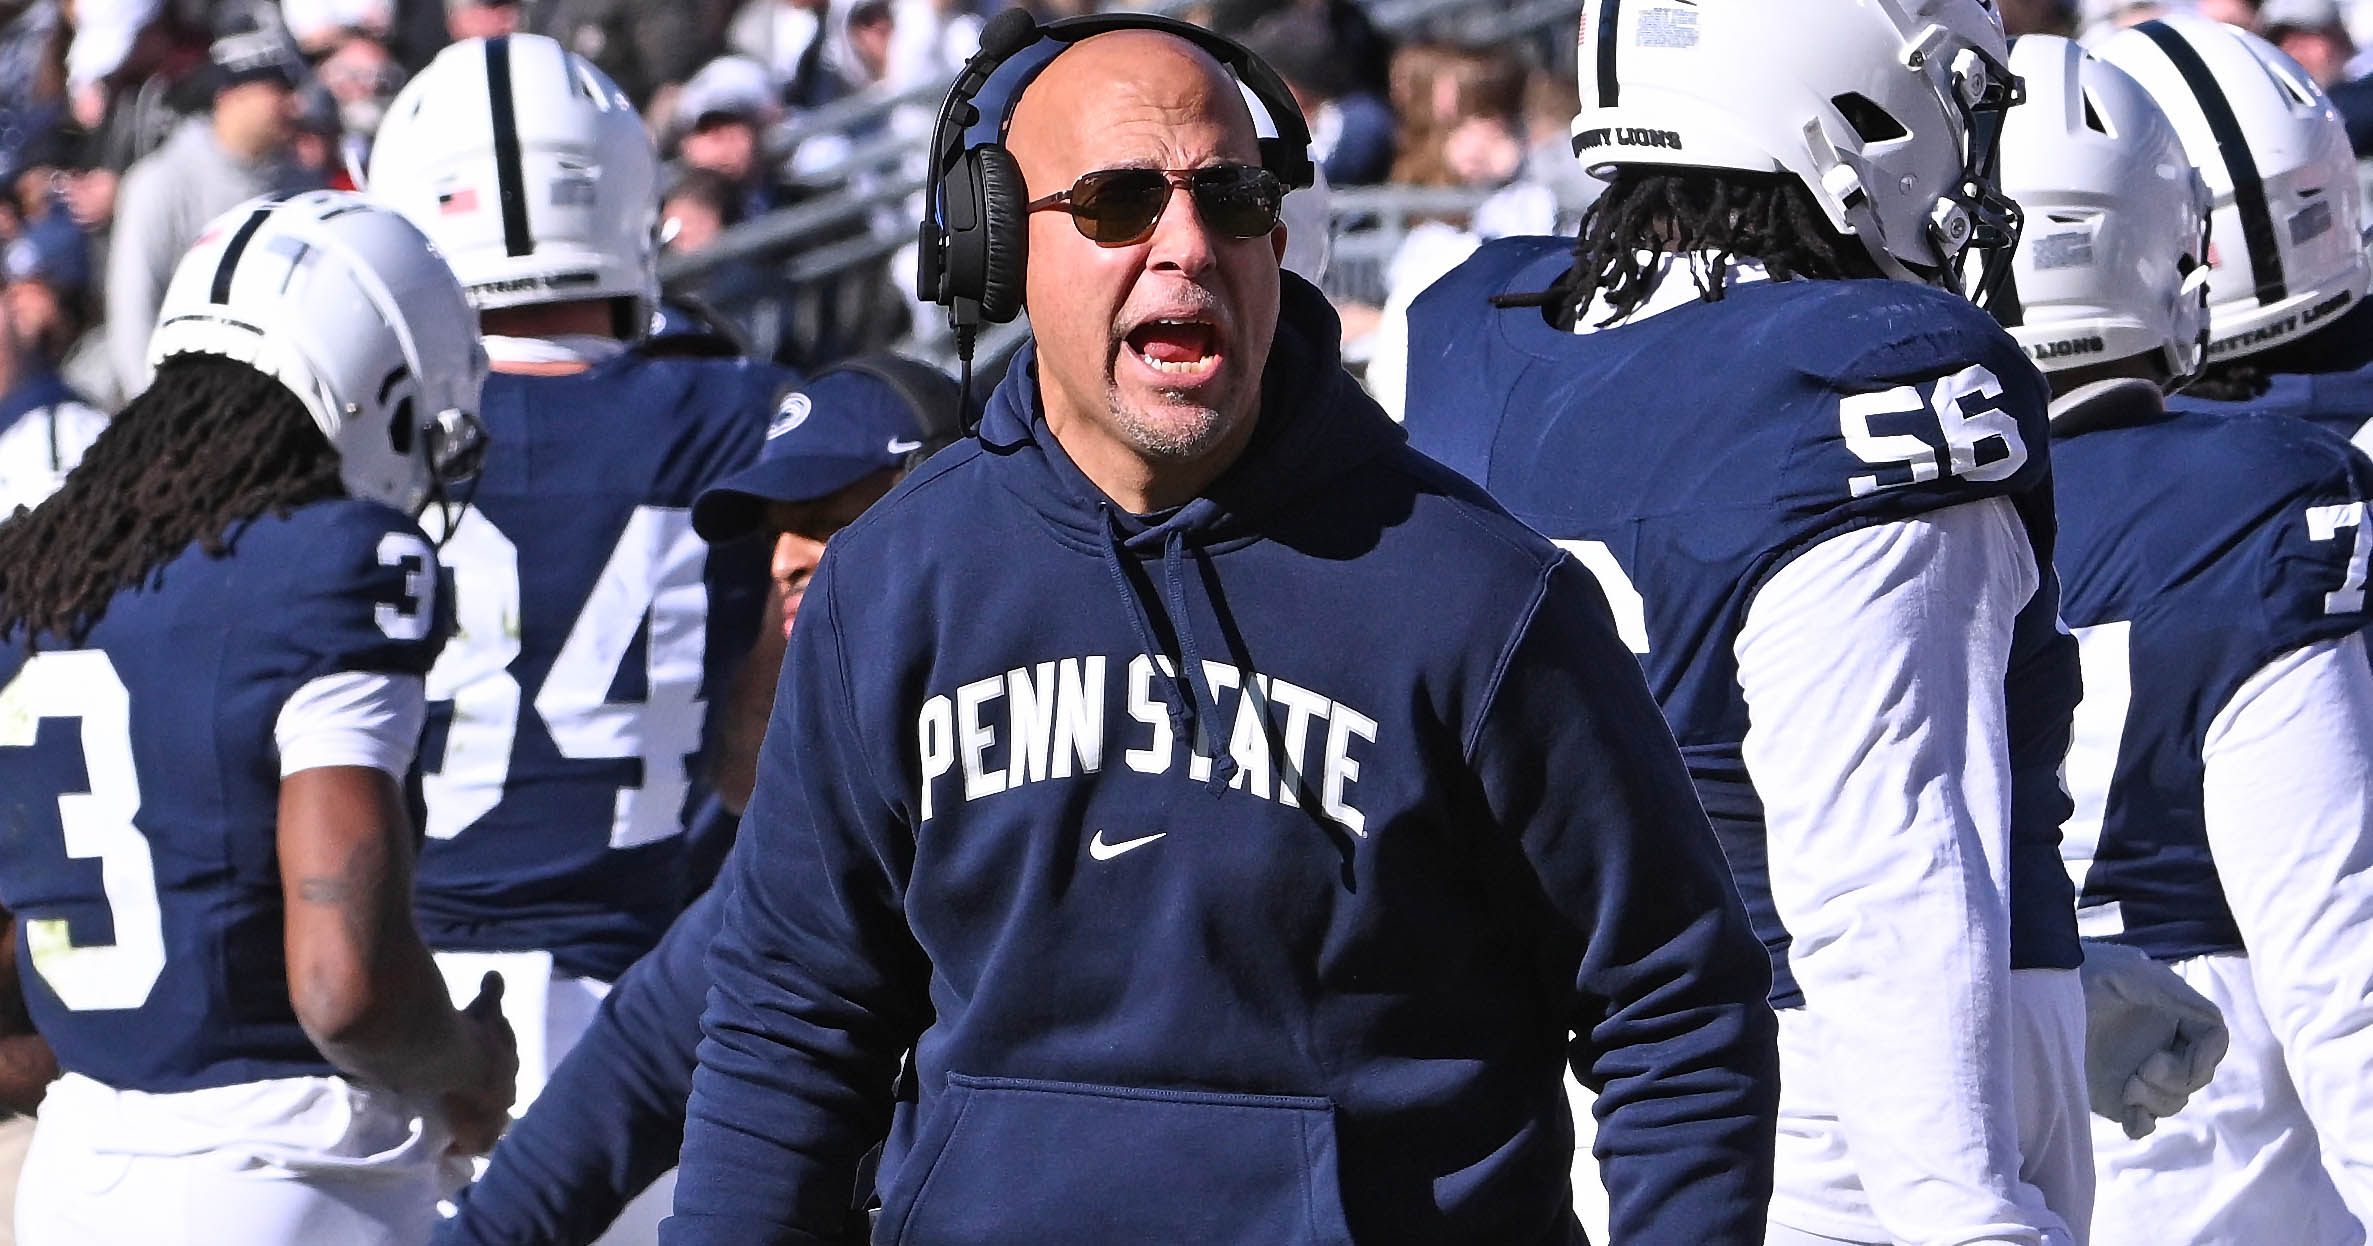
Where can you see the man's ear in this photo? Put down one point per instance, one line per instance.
(1277, 241)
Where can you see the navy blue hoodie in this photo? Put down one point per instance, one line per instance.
(1292, 950)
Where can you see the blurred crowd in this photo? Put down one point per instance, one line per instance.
(125, 124)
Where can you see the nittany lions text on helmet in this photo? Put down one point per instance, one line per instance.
(2114, 258)
(2289, 255)
(1885, 110)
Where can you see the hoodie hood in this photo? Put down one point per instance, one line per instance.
(1315, 424)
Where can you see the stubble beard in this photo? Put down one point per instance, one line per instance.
(1184, 429)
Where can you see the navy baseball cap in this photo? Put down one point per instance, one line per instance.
(861, 416)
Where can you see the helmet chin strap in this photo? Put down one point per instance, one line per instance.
(1970, 217)
(452, 506)
(455, 444)
(1989, 223)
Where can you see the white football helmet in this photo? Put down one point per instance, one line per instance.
(2114, 258)
(1886, 110)
(529, 169)
(2288, 254)
(346, 304)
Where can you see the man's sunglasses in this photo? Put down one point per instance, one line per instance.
(1119, 207)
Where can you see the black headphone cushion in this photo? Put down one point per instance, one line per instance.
(1005, 239)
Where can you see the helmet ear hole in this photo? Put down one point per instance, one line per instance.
(401, 426)
(2093, 119)
(1871, 122)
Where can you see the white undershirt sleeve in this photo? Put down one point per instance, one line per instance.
(353, 718)
(1873, 669)
(2288, 801)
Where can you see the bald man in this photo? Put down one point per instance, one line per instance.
(1136, 858)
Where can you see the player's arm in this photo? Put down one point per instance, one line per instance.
(27, 1066)
(1873, 668)
(2288, 800)
(359, 978)
(1669, 1013)
(817, 987)
(610, 1119)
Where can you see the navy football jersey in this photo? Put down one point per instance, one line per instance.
(568, 720)
(140, 788)
(1687, 456)
(2325, 377)
(2194, 549)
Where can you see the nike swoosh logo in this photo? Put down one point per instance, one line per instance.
(1102, 851)
(904, 447)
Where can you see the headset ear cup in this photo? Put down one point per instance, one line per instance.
(1005, 236)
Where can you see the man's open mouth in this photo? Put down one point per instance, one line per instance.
(1176, 347)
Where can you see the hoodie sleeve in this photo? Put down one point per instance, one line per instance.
(817, 989)
(1669, 1016)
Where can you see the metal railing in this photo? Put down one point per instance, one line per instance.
(1369, 223)
(811, 223)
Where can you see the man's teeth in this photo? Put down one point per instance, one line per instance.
(1176, 367)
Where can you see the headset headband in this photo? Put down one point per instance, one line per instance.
(1011, 32)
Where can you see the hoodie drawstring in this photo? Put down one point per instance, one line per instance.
(1186, 694)
(1198, 680)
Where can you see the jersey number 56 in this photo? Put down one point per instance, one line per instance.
(1958, 425)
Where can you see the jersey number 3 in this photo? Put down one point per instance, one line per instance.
(81, 685)
(654, 573)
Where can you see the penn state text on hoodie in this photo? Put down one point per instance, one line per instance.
(1294, 948)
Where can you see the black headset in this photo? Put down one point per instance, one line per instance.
(974, 240)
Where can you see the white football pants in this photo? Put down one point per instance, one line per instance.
(2239, 1166)
(304, 1161)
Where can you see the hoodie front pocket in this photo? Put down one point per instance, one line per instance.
(1008, 1160)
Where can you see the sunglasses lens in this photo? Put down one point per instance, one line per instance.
(1117, 206)
(1238, 200)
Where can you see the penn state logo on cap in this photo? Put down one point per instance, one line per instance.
(848, 422)
(790, 415)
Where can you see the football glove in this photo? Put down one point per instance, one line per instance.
(2150, 1039)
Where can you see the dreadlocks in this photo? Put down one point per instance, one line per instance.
(1648, 214)
(210, 443)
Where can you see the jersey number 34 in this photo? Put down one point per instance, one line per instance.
(654, 573)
